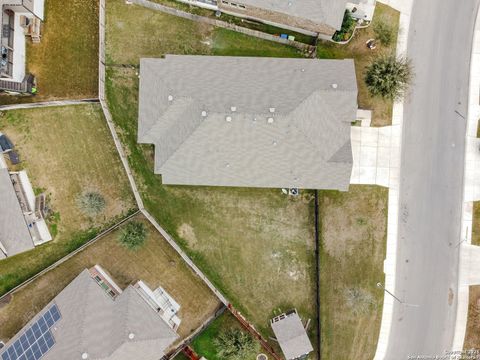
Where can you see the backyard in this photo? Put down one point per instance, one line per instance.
(204, 344)
(156, 263)
(65, 151)
(157, 34)
(353, 246)
(65, 62)
(228, 232)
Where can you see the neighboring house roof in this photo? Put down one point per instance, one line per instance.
(186, 103)
(291, 336)
(14, 235)
(93, 323)
(328, 12)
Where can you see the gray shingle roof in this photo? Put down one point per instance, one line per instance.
(292, 337)
(14, 234)
(329, 12)
(93, 323)
(311, 102)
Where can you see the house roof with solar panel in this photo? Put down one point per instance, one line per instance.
(92, 318)
(249, 122)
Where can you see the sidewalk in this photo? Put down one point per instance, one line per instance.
(389, 266)
(469, 265)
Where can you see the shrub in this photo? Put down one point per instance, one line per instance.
(91, 203)
(235, 344)
(388, 77)
(133, 235)
(359, 300)
(383, 32)
(348, 25)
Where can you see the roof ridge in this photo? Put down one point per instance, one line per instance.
(327, 108)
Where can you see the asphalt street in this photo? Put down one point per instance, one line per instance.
(439, 45)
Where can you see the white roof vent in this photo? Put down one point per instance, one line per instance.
(274, 143)
(303, 70)
(204, 113)
(272, 109)
(228, 119)
(270, 120)
(227, 165)
(233, 108)
(131, 336)
(170, 97)
(334, 86)
(84, 355)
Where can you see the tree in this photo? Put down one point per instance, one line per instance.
(388, 77)
(133, 235)
(91, 203)
(235, 344)
(383, 32)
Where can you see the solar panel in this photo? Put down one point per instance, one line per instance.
(35, 341)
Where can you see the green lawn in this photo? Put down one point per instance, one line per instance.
(204, 345)
(357, 49)
(65, 151)
(251, 24)
(353, 247)
(65, 62)
(227, 231)
(476, 223)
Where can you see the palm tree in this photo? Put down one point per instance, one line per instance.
(388, 77)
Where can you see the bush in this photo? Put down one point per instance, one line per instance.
(346, 31)
(383, 32)
(388, 77)
(133, 235)
(91, 203)
(235, 344)
(359, 300)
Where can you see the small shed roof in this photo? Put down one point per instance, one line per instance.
(291, 335)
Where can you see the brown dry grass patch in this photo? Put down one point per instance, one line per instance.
(353, 235)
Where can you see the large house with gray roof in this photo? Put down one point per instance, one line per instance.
(322, 17)
(93, 319)
(249, 122)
